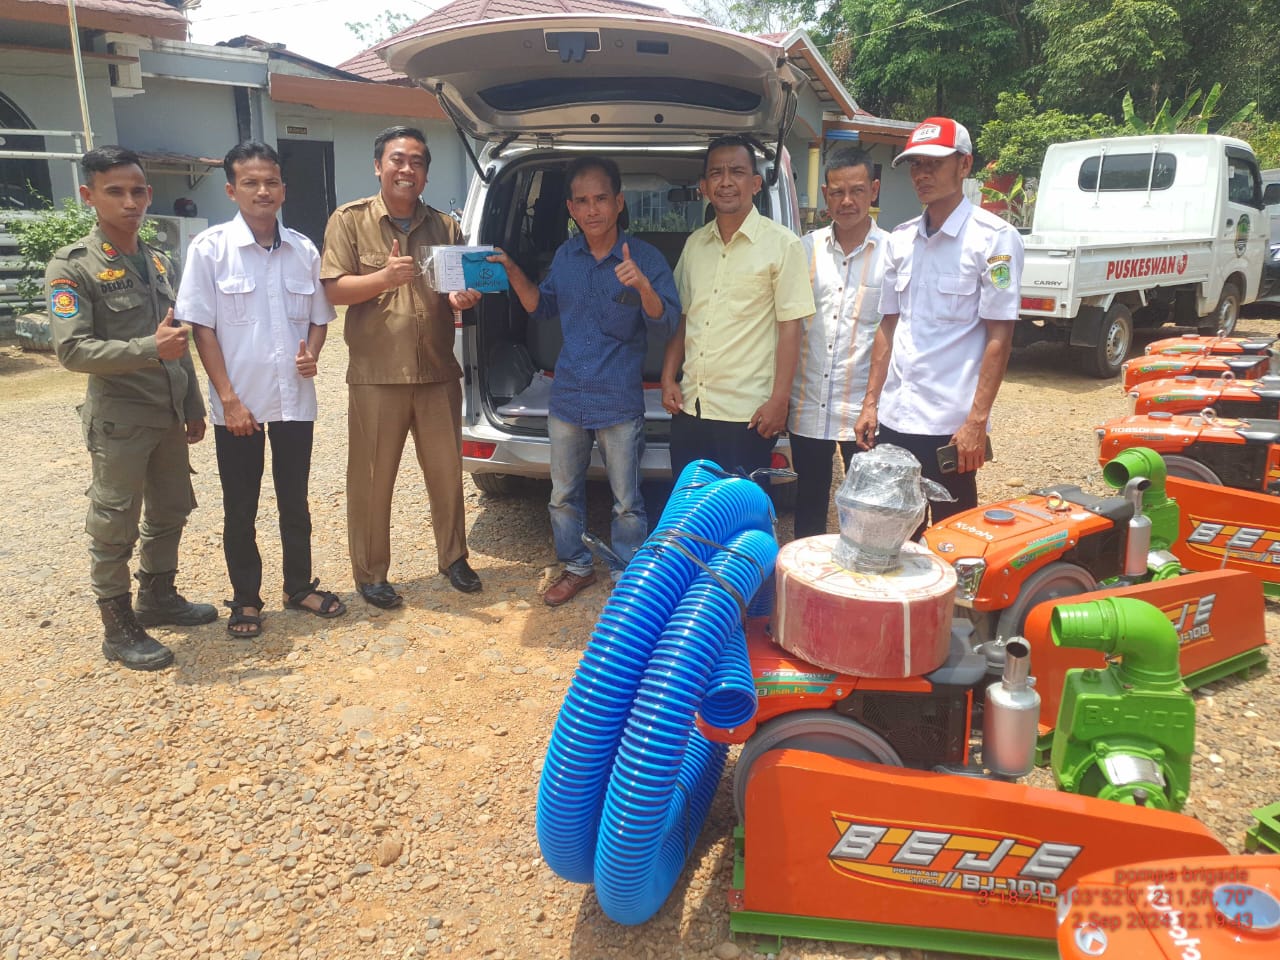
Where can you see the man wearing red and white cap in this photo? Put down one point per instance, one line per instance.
(949, 299)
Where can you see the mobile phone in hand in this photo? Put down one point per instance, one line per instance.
(949, 457)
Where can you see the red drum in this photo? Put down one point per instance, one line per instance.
(892, 625)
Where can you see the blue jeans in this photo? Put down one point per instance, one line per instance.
(621, 447)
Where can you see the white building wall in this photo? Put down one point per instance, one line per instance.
(897, 197)
(43, 86)
(198, 119)
(447, 177)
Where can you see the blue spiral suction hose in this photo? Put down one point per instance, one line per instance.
(628, 779)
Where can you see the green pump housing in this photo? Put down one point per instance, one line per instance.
(1163, 512)
(1127, 732)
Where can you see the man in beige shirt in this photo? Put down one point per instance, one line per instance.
(402, 375)
(744, 288)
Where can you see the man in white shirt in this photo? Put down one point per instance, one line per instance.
(252, 294)
(845, 269)
(949, 299)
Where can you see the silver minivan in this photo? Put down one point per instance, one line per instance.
(533, 92)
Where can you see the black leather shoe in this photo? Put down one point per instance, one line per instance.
(463, 577)
(381, 594)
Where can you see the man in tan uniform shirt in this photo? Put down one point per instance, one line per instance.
(402, 375)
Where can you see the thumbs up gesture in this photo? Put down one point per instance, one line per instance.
(399, 270)
(305, 361)
(628, 273)
(171, 338)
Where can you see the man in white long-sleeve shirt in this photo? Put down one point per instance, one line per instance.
(845, 268)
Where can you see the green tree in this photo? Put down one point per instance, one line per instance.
(1235, 44)
(947, 58)
(1182, 119)
(765, 16)
(383, 25)
(1264, 137)
(1016, 140)
(1097, 50)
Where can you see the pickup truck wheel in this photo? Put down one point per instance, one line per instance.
(495, 485)
(1184, 468)
(1114, 340)
(1224, 317)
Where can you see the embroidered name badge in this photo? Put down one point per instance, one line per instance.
(159, 266)
(124, 283)
(111, 252)
(63, 303)
(63, 282)
(1001, 276)
(109, 274)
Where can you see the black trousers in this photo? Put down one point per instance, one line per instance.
(240, 462)
(728, 443)
(812, 461)
(962, 486)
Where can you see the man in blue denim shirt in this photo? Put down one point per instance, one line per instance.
(607, 289)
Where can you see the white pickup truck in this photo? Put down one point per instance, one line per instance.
(1141, 230)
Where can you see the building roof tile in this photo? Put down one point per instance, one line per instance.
(148, 18)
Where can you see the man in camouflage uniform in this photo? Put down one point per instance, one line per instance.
(110, 300)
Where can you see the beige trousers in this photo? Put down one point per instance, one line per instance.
(380, 416)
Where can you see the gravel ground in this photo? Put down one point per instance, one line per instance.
(365, 787)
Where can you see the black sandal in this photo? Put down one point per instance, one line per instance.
(330, 605)
(241, 619)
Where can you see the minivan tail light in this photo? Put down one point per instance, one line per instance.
(478, 451)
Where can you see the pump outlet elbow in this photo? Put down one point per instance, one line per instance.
(1134, 630)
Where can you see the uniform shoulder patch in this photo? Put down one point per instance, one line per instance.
(109, 249)
(999, 258)
(1001, 276)
(64, 302)
(159, 264)
(63, 282)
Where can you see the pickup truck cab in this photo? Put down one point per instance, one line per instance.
(1141, 231)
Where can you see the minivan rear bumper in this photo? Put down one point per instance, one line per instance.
(531, 456)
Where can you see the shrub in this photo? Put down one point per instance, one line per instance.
(41, 236)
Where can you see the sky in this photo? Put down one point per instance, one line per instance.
(313, 28)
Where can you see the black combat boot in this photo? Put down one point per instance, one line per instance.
(125, 639)
(159, 603)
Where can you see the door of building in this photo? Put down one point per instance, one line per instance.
(307, 166)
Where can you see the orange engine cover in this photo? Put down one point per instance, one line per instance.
(849, 840)
(895, 624)
(1161, 366)
(1196, 344)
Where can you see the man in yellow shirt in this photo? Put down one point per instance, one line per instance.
(744, 287)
